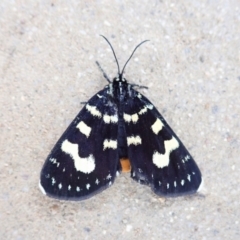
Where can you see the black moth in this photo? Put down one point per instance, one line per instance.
(118, 122)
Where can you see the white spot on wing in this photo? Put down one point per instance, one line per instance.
(189, 177)
(60, 186)
(201, 187)
(114, 119)
(69, 187)
(134, 118)
(93, 110)
(84, 128)
(88, 186)
(53, 160)
(108, 143)
(162, 160)
(143, 110)
(150, 106)
(41, 188)
(106, 118)
(85, 165)
(182, 182)
(157, 126)
(78, 189)
(135, 140)
(110, 119)
(128, 118)
(53, 181)
(109, 176)
(97, 181)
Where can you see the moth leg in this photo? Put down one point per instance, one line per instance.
(104, 74)
(139, 86)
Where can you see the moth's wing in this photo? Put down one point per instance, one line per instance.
(158, 157)
(85, 159)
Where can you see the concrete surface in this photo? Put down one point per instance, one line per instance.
(192, 68)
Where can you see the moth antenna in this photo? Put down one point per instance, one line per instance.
(113, 53)
(132, 55)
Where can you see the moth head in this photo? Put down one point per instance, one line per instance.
(120, 78)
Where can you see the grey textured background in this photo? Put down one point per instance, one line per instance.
(192, 68)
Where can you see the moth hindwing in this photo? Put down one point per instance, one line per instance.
(118, 122)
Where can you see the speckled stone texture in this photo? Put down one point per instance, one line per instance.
(192, 68)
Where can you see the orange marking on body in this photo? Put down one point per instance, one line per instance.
(126, 165)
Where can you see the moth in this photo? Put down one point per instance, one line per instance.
(117, 123)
